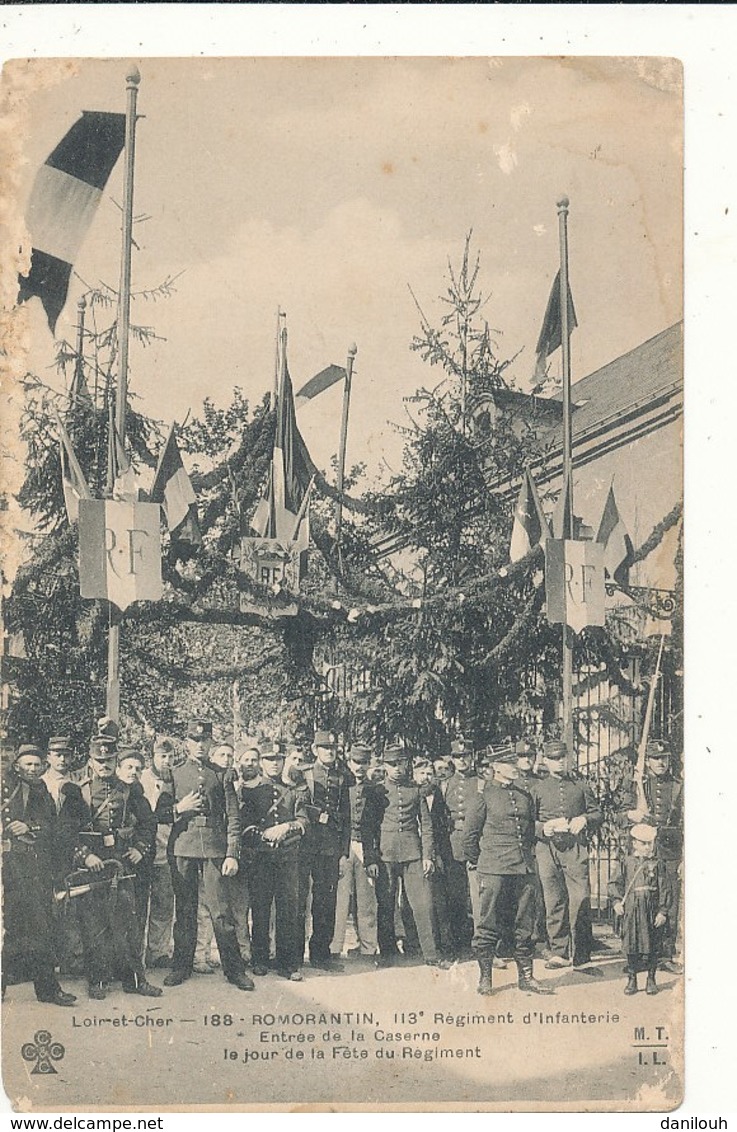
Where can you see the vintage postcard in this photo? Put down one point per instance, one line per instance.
(342, 667)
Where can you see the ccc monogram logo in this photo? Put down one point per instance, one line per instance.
(43, 1051)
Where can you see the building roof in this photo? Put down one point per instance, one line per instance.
(633, 379)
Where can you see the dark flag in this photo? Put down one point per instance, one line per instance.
(173, 489)
(63, 202)
(280, 513)
(322, 380)
(530, 528)
(618, 549)
(551, 334)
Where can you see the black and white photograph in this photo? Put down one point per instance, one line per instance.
(342, 705)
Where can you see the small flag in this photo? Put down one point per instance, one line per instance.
(79, 392)
(73, 482)
(63, 202)
(121, 473)
(618, 549)
(173, 489)
(530, 527)
(551, 334)
(319, 382)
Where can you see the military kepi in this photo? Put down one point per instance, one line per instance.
(555, 749)
(199, 729)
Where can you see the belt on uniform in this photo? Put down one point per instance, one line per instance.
(18, 847)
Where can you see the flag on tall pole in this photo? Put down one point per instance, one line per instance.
(65, 195)
(551, 332)
(73, 482)
(172, 488)
(291, 472)
(617, 544)
(530, 527)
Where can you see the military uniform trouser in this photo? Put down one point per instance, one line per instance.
(239, 903)
(463, 900)
(274, 878)
(324, 870)
(506, 908)
(564, 876)
(673, 900)
(417, 890)
(354, 880)
(186, 873)
(160, 914)
(110, 933)
(27, 926)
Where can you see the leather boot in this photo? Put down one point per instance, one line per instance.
(631, 987)
(526, 982)
(485, 968)
(651, 987)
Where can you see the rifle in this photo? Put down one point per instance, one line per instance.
(75, 883)
(639, 775)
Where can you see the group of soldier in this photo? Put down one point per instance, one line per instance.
(268, 847)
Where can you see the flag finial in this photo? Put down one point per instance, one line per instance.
(563, 203)
(352, 350)
(133, 75)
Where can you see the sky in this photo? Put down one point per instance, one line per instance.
(327, 187)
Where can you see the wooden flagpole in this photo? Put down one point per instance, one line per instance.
(133, 79)
(352, 351)
(568, 533)
(79, 361)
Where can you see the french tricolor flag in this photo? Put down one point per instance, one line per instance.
(63, 201)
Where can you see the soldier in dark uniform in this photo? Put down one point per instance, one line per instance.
(526, 778)
(71, 814)
(28, 825)
(663, 798)
(358, 872)
(566, 813)
(274, 816)
(499, 837)
(205, 844)
(329, 810)
(460, 791)
(406, 855)
(423, 773)
(120, 828)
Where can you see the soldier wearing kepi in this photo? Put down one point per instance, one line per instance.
(205, 842)
(462, 883)
(566, 812)
(499, 838)
(407, 854)
(71, 814)
(275, 820)
(117, 835)
(28, 821)
(663, 807)
(329, 810)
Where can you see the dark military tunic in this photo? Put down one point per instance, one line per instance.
(329, 810)
(563, 864)
(118, 819)
(405, 840)
(460, 794)
(499, 837)
(28, 875)
(199, 844)
(274, 869)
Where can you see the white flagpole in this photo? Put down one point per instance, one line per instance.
(565, 332)
(352, 351)
(133, 79)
